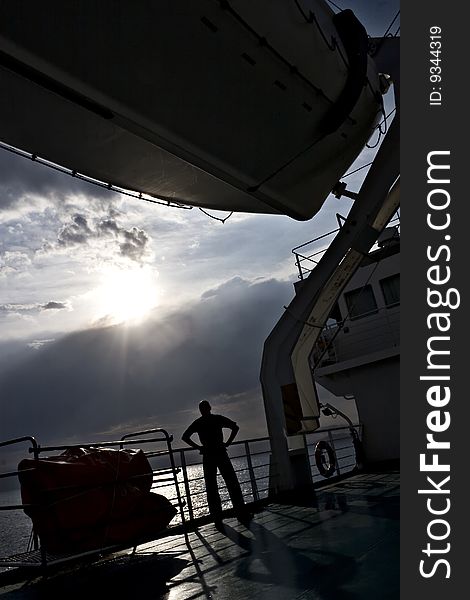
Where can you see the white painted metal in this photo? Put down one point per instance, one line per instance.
(356, 235)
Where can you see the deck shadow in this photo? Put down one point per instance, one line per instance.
(121, 577)
(288, 567)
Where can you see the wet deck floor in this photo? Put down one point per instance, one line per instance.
(343, 544)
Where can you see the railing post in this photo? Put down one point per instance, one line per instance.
(186, 486)
(175, 478)
(308, 457)
(332, 444)
(254, 487)
(299, 267)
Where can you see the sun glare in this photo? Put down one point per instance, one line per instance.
(127, 295)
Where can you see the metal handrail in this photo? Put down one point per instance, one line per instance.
(301, 258)
(36, 449)
(183, 484)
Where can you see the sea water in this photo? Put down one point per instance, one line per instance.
(15, 526)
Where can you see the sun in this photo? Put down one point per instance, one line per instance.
(126, 295)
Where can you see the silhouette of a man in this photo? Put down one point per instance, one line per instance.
(214, 456)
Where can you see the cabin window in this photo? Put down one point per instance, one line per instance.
(360, 302)
(391, 290)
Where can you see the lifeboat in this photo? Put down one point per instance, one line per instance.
(236, 105)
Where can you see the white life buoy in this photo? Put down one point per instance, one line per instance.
(326, 467)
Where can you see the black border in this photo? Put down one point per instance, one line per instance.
(424, 129)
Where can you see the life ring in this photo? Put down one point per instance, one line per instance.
(325, 467)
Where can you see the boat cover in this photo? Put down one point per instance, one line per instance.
(86, 499)
(249, 107)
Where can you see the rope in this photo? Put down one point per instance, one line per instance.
(391, 24)
(287, 163)
(382, 130)
(335, 5)
(379, 45)
(216, 218)
(356, 170)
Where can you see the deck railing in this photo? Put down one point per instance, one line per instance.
(309, 254)
(178, 474)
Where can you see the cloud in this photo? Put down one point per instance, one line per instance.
(54, 305)
(108, 226)
(36, 344)
(20, 177)
(104, 379)
(135, 243)
(233, 285)
(76, 232)
(21, 309)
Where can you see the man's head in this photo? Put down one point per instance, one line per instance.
(204, 407)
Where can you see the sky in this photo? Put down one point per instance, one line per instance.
(116, 314)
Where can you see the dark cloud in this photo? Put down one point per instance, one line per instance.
(54, 305)
(25, 309)
(100, 379)
(135, 243)
(36, 344)
(76, 232)
(231, 286)
(20, 176)
(132, 243)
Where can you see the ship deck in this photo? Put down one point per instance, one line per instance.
(340, 543)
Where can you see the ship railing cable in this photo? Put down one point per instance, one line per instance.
(170, 201)
(357, 170)
(335, 5)
(302, 259)
(386, 34)
(382, 128)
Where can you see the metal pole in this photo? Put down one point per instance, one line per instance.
(175, 477)
(186, 485)
(254, 487)
(332, 444)
(297, 260)
(308, 457)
